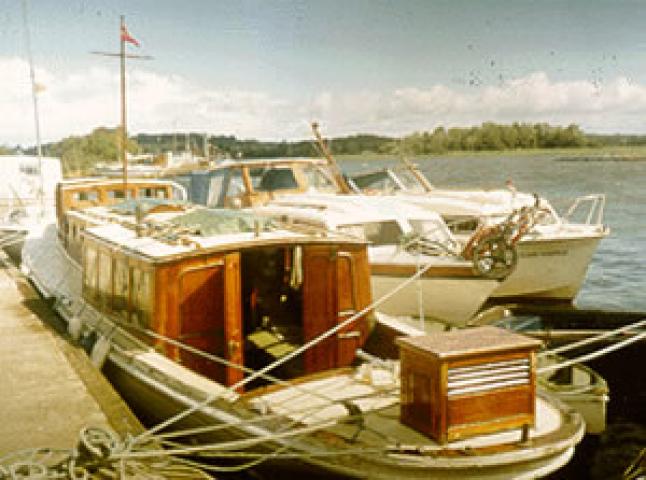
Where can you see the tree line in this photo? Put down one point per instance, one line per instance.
(230, 146)
(80, 154)
(492, 136)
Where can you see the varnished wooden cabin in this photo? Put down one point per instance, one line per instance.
(79, 195)
(222, 283)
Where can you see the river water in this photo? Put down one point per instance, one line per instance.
(616, 278)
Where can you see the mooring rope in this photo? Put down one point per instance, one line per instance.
(592, 355)
(593, 339)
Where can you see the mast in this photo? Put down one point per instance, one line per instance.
(124, 37)
(34, 96)
(124, 133)
(421, 179)
(334, 167)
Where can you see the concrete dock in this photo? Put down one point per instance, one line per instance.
(50, 390)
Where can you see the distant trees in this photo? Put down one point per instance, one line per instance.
(79, 155)
(233, 147)
(492, 136)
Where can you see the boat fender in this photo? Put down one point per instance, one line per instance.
(74, 326)
(100, 351)
(87, 340)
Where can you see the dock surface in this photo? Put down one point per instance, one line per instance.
(50, 389)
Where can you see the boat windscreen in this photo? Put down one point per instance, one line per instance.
(376, 180)
(410, 183)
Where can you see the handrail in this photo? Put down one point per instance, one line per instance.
(597, 206)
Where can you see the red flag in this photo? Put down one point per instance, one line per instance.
(126, 37)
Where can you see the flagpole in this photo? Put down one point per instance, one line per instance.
(124, 133)
(34, 96)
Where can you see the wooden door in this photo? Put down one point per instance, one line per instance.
(330, 296)
(348, 293)
(209, 317)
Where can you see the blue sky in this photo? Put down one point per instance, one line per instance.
(266, 68)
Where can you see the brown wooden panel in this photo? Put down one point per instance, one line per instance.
(202, 318)
(456, 432)
(352, 336)
(354, 294)
(319, 305)
(491, 405)
(233, 318)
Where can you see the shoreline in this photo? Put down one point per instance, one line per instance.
(601, 154)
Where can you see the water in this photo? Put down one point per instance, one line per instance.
(616, 279)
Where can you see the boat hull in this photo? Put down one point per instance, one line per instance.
(549, 268)
(153, 405)
(449, 300)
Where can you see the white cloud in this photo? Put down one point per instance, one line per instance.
(75, 103)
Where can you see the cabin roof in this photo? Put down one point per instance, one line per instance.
(337, 210)
(104, 181)
(202, 230)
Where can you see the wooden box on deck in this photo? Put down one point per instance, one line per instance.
(467, 382)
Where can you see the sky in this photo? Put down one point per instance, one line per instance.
(265, 69)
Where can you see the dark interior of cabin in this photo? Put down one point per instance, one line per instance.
(272, 313)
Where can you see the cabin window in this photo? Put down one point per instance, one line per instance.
(90, 273)
(121, 279)
(86, 196)
(105, 279)
(256, 175)
(277, 179)
(318, 181)
(178, 193)
(141, 297)
(29, 169)
(152, 192)
(236, 184)
(116, 194)
(376, 181)
(214, 191)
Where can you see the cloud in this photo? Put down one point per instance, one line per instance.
(76, 102)
(616, 106)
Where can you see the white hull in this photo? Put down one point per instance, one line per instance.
(449, 300)
(550, 268)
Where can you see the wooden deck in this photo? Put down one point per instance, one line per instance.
(50, 390)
